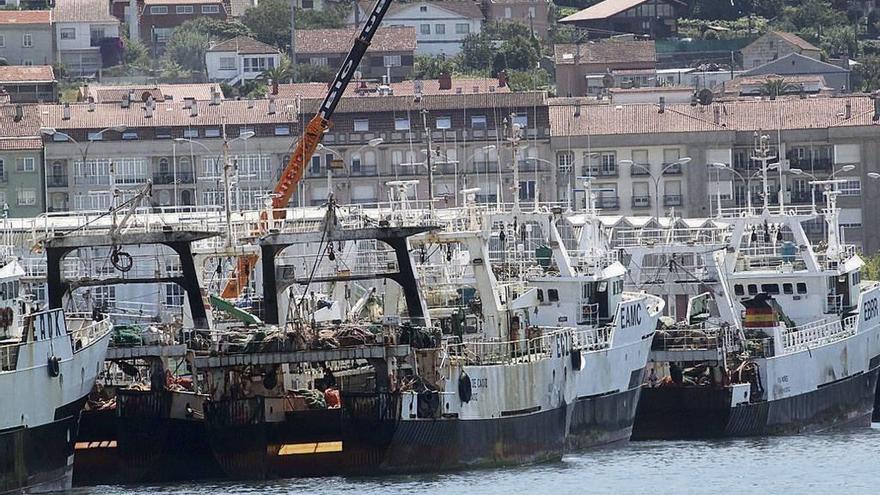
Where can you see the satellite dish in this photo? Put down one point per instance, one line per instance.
(608, 81)
(358, 75)
(705, 96)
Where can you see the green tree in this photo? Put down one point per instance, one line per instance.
(186, 49)
(477, 52)
(136, 54)
(314, 73)
(776, 86)
(217, 30)
(173, 72)
(866, 75)
(840, 41)
(282, 73)
(871, 270)
(528, 80)
(431, 66)
(269, 21)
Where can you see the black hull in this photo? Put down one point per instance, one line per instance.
(702, 412)
(149, 446)
(375, 441)
(38, 459)
(602, 420)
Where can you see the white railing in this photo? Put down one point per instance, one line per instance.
(513, 351)
(84, 332)
(817, 334)
(592, 339)
(689, 339)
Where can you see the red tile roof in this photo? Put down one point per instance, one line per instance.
(796, 40)
(27, 127)
(26, 17)
(607, 52)
(82, 11)
(404, 88)
(20, 144)
(386, 39)
(26, 74)
(243, 45)
(608, 8)
(159, 92)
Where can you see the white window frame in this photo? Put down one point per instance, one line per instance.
(190, 132)
(67, 33)
(227, 63)
(27, 197)
(184, 9)
(462, 28)
(439, 28)
(391, 61)
(401, 124)
(27, 41)
(210, 9)
(212, 132)
(361, 125)
(28, 164)
(479, 122)
(282, 130)
(444, 122)
(425, 29)
(159, 10)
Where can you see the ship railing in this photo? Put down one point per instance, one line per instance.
(833, 262)
(768, 257)
(84, 331)
(635, 237)
(688, 339)
(833, 304)
(818, 333)
(478, 352)
(758, 207)
(592, 339)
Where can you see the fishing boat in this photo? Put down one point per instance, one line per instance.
(48, 364)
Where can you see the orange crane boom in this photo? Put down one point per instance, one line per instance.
(308, 143)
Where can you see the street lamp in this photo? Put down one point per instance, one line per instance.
(747, 181)
(372, 143)
(656, 178)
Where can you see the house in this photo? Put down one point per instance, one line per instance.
(534, 14)
(795, 64)
(654, 18)
(159, 18)
(26, 37)
(390, 53)
(589, 68)
(21, 159)
(29, 84)
(759, 86)
(87, 36)
(159, 92)
(240, 59)
(774, 45)
(440, 26)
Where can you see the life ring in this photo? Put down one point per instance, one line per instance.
(576, 360)
(54, 366)
(465, 390)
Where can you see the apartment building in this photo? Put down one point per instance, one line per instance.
(650, 158)
(389, 56)
(587, 69)
(26, 37)
(159, 18)
(21, 159)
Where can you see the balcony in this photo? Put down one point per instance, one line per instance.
(672, 200)
(608, 172)
(364, 171)
(161, 179)
(674, 168)
(805, 197)
(641, 201)
(608, 202)
(640, 169)
(51, 180)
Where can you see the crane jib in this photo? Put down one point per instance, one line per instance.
(337, 88)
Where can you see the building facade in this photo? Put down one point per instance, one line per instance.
(240, 59)
(654, 18)
(390, 55)
(21, 161)
(28, 84)
(590, 68)
(87, 36)
(534, 14)
(26, 37)
(774, 45)
(159, 18)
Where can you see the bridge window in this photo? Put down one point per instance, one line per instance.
(801, 288)
(540, 295)
(770, 288)
(738, 290)
(753, 289)
(553, 295)
(787, 289)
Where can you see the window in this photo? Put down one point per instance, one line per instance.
(104, 295)
(391, 60)
(68, 33)
(27, 197)
(158, 10)
(444, 122)
(462, 28)
(173, 295)
(361, 125)
(161, 35)
(553, 295)
(2, 170)
(27, 164)
(603, 164)
(507, 13)
(852, 187)
(258, 64)
(771, 289)
(738, 290)
(526, 189)
(96, 136)
(212, 132)
(244, 130)
(190, 133)
(531, 12)
(787, 289)
(801, 288)
(128, 136)
(640, 157)
(478, 121)
(226, 63)
(27, 62)
(521, 119)
(564, 161)
(282, 130)
(26, 40)
(2, 41)
(440, 28)
(425, 28)
(671, 156)
(316, 165)
(163, 133)
(423, 9)
(401, 124)
(753, 289)
(318, 61)
(184, 9)
(210, 9)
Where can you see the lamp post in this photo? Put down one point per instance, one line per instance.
(656, 178)
(798, 171)
(84, 151)
(226, 166)
(372, 143)
(747, 181)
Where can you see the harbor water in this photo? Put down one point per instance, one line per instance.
(834, 462)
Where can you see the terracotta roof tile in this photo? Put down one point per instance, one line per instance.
(386, 39)
(464, 8)
(181, 2)
(432, 102)
(30, 73)
(20, 144)
(82, 10)
(159, 92)
(403, 88)
(796, 40)
(607, 52)
(243, 45)
(27, 126)
(26, 17)
(608, 8)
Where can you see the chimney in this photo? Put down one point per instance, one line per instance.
(194, 110)
(188, 102)
(847, 113)
(126, 100)
(802, 91)
(271, 106)
(91, 104)
(476, 89)
(445, 81)
(215, 97)
(148, 110)
(502, 79)
(876, 116)
(131, 95)
(250, 103)
(18, 113)
(717, 115)
(150, 102)
(662, 104)
(65, 112)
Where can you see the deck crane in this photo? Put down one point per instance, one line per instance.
(309, 141)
